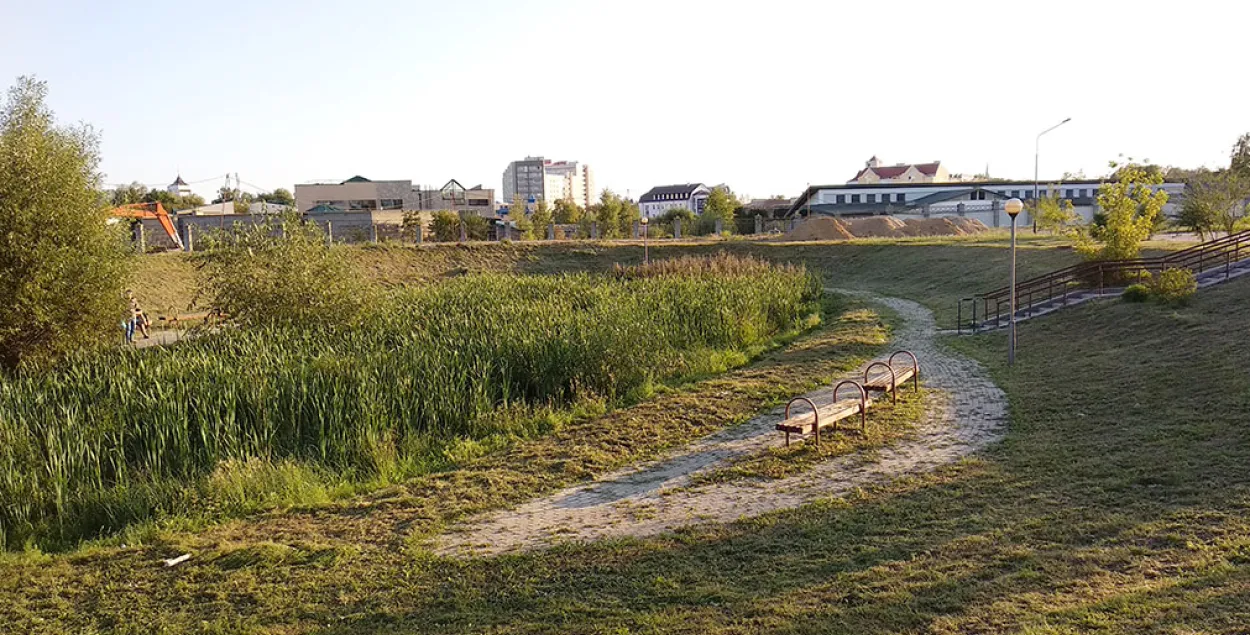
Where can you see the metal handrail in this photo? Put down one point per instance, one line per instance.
(1040, 289)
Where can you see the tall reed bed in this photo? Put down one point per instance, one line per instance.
(108, 439)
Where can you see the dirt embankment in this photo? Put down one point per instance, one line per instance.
(829, 228)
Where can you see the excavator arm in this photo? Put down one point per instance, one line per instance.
(145, 211)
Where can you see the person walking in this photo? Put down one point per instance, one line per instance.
(138, 320)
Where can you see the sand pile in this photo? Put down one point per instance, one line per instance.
(942, 227)
(820, 228)
(829, 228)
(874, 226)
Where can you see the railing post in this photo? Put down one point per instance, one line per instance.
(959, 319)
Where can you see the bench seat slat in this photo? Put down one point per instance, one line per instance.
(881, 382)
(829, 415)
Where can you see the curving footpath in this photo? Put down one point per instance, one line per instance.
(967, 413)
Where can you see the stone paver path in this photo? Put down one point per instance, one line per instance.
(967, 413)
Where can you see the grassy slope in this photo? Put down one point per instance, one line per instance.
(936, 272)
(1118, 503)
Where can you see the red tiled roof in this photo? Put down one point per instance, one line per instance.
(893, 171)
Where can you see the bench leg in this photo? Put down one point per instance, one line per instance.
(787, 439)
(817, 431)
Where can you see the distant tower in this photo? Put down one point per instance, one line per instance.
(179, 188)
(874, 162)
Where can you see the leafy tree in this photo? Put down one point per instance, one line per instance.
(129, 194)
(1055, 214)
(1131, 206)
(519, 215)
(260, 275)
(475, 227)
(445, 226)
(567, 212)
(1240, 163)
(541, 219)
(630, 214)
(280, 196)
(608, 212)
(62, 267)
(721, 205)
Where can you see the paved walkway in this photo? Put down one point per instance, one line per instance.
(967, 413)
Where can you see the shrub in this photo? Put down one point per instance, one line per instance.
(1136, 293)
(62, 268)
(281, 272)
(445, 226)
(1173, 286)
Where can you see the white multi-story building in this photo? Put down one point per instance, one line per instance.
(537, 179)
(660, 199)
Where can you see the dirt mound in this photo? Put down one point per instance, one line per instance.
(874, 227)
(820, 228)
(969, 225)
(945, 226)
(829, 228)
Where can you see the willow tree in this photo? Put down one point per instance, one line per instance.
(62, 267)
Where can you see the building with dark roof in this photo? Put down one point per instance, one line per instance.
(875, 172)
(660, 199)
(981, 200)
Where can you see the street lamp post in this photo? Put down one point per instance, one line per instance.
(1013, 207)
(646, 258)
(1037, 151)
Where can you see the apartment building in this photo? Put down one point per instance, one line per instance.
(537, 179)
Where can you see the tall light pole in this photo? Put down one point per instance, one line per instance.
(1013, 207)
(1037, 151)
(646, 257)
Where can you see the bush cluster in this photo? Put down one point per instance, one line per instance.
(1171, 287)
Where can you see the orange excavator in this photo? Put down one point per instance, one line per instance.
(149, 211)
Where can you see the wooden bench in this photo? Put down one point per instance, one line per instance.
(888, 380)
(830, 415)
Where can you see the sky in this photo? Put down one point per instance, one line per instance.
(767, 97)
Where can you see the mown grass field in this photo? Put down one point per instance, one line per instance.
(1119, 502)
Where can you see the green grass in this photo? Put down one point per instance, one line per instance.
(887, 422)
(934, 271)
(250, 419)
(272, 569)
(1119, 502)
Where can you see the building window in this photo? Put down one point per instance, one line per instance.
(854, 198)
(900, 198)
(362, 205)
(872, 198)
(392, 203)
(841, 199)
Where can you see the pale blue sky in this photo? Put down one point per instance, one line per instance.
(764, 96)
